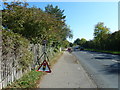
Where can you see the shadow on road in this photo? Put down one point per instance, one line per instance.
(92, 52)
(106, 56)
(108, 69)
(103, 58)
(112, 69)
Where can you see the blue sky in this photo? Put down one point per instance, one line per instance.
(83, 16)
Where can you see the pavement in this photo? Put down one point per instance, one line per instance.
(67, 73)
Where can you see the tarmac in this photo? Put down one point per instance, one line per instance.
(67, 73)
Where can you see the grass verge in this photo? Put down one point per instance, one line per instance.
(104, 51)
(28, 80)
(32, 78)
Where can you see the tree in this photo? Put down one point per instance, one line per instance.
(114, 41)
(66, 44)
(100, 33)
(64, 31)
(82, 41)
(55, 12)
(100, 30)
(71, 44)
(77, 41)
(36, 24)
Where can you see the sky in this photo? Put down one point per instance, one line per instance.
(83, 16)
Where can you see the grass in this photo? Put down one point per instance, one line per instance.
(104, 51)
(28, 80)
(32, 78)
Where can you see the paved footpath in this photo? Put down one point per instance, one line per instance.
(67, 73)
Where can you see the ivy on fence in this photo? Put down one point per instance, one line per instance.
(16, 57)
(19, 56)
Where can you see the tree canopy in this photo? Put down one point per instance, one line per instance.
(103, 39)
(55, 12)
(80, 42)
(36, 24)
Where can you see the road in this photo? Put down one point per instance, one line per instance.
(101, 67)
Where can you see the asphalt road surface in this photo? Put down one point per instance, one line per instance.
(101, 67)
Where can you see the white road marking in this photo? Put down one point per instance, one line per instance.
(115, 61)
(92, 54)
